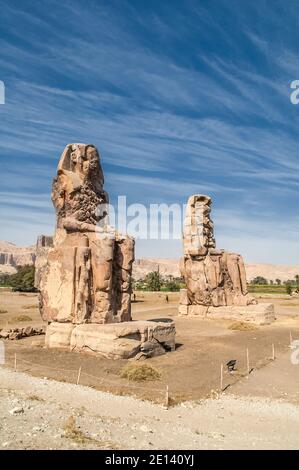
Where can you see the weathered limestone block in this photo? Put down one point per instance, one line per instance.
(198, 310)
(184, 297)
(116, 341)
(262, 314)
(183, 310)
(19, 333)
(198, 228)
(214, 278)
(78, 188)
(58, 335)
(104, 340)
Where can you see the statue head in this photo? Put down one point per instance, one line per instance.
(78, 187)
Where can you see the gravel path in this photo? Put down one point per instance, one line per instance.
(43, 414)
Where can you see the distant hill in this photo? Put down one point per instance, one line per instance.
(12, 255)
(171, 267)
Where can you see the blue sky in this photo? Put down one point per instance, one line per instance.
(179, 97)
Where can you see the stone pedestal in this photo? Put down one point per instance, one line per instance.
(261, 314)
(126, 340)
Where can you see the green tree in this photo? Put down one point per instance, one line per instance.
(297, 280)
(278, 281)
(288, 289)
(153, 281)
(23, 280)
(259, 280)
(172, 286)
(4, 279)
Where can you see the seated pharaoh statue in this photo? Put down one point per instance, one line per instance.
(84, 272)
(215, 279)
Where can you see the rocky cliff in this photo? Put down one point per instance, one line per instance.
(12, 256)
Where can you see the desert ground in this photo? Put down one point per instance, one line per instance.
(263, 405)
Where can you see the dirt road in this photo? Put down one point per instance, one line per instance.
(39, 413)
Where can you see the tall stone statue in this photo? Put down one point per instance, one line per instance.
(215, 279)
(87, 274)
(83, 273)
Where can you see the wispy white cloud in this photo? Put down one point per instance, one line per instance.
(177, 103)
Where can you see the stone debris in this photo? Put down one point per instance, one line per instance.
(84, 273)
(215, 279)
(17, 410)
(19, 333)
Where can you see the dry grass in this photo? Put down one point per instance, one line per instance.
(214, 395)
(288, 304)
(3, 311)
(20, 318)
(242, 326)
(139, 372)
(29, 307)
(72, 431)
(35, 398)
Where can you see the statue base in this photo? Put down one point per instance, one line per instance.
(261, 314)
(126, 340)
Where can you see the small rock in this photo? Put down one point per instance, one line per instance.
(217, 435)
(144, 428)
(17, 410)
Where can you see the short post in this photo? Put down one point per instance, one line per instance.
(291, 339)
(247, 360)
(79, 375)
(167, 397)
(273, 352)
(15, 362)
(221, 377)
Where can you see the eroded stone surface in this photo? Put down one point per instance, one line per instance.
(214, 278)
(134, 339)
(84, 272)
(262, 314)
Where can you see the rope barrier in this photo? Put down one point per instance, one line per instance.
(79, 373)
(89, 375)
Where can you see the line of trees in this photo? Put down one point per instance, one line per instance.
(153, 281)
(289, 285)
(260, 280)
(21, 281)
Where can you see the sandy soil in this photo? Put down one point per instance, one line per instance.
(42, 414)
(192, 372)
(255, 411)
